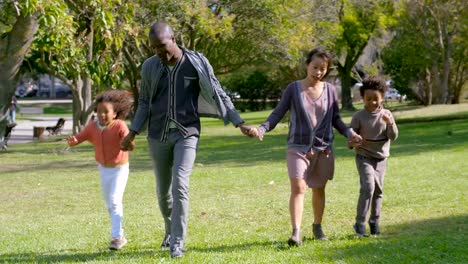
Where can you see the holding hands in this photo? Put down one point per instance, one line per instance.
(257, 133)
(246, 130)
(127, 143)
(251, 131)
(354, 140)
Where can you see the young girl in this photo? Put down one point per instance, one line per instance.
(313, 104)
(377, 128)
(105, 133)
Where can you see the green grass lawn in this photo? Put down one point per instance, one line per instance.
(51, 209)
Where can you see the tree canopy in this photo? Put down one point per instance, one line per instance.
(100, 44)
(428, 54)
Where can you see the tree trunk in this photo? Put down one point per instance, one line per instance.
(133, 75)
(82, 106)
(346, 80)
(458, 81)
(352, 55)
(429, 85)
(87, 82)
(346, 100)
(13, 47)
(77, 88)
(437, 95)
(446, 71)
(87, 100)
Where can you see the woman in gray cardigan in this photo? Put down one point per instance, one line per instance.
(313, 105)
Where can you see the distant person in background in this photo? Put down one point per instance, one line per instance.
(377, 128)
(313, 105)
(12, 108)
(105, 133)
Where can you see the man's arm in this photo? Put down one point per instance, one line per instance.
(141, 114)
(232, 113)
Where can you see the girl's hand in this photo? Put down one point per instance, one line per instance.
(72, 141)
(127, 143)
(130, 146)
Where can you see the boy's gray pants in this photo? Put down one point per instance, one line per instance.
(173, 161)
(371, 174)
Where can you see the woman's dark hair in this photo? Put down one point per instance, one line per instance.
(373, 83)
(323, 54)
(121, 100)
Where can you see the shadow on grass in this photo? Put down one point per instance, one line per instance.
(441, 240)
(275, 245)
(47, 166)
(430, 136)
(129, 253)
(75, 257)
(241, 151)
(413, 139)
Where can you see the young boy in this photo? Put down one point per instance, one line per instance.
(377, 128)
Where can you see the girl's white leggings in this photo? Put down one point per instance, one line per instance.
(113, 182)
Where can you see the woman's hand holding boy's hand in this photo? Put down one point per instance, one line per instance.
(354, 144)
(72, 141)
(355, 140)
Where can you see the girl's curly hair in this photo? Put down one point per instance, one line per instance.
(373, 83)
(121, 100)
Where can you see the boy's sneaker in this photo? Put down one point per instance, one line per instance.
(117, 243)
(318, 233)
(360, 230)
(177, 252)
(374, 228)
(166, 242)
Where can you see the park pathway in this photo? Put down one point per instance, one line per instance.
(23, 132)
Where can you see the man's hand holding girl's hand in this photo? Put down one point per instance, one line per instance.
(127, 143)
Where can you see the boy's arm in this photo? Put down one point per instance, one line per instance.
(355, 127)
(392, 129)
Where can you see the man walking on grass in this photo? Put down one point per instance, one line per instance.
(178, 87)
